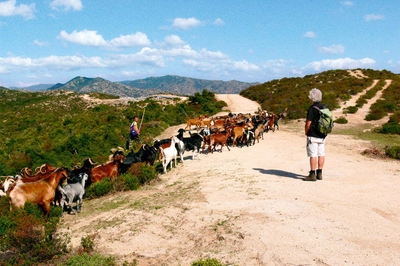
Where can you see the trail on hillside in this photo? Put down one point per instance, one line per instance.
(249, 206)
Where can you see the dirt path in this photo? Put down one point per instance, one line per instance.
(249, 206)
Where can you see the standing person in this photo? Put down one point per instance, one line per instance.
(315, 139)
(134, 130)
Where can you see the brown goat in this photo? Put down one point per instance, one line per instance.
(40, 192)
(219, 138)
(110, 169)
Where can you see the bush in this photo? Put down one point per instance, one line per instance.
(393, 152)
(390, 129)
(29, 236)
(207, 262)
(98, 189)
(131, 182)
(341, 120)
(90, 260)
(351, 109)
(144, 172)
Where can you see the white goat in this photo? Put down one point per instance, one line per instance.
(74, 192)
(169, 154)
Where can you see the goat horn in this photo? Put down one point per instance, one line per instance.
(41, 168)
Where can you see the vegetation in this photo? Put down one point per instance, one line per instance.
(62, 129)
(290, 95)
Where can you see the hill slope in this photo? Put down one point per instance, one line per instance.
(149, 86)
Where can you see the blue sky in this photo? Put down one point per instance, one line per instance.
(54, 41)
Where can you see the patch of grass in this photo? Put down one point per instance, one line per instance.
(89, 260)
(207, 262)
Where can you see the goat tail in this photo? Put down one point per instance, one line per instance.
(59, 188)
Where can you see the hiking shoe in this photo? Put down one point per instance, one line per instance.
(319, 174)
(310, 177)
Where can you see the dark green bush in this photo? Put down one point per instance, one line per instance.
(341, 120)
(351, 109)
(393, 152)
(131, 182)
(100, 188)
(390, 129)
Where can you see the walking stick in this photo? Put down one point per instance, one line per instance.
(141, 120)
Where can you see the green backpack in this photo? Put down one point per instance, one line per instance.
(325, 122)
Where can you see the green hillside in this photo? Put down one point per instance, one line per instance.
(290, 95)
(62, 129)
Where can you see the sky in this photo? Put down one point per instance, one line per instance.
(53, 41)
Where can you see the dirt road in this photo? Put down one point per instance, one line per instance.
(249, 206)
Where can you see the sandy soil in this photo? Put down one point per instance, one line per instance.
(249, 206)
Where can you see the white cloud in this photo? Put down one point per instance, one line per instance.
(333, 49)
(67, 4)
(186, 23)
(85, 37)
(174, 40)
(309, 34)
(370, 17)
(347, 3)
(219, 21)
(137, 39)
(92, 38)
(9, 8)
(340, 63)
(39, 43)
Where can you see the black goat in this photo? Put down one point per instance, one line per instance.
(192, 143)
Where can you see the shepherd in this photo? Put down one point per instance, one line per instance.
(134, 130)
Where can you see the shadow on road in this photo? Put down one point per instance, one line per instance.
(279, 173)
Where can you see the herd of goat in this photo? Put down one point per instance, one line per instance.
(45, 185)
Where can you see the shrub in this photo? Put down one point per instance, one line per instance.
(87, 243)
(351, 109)
(390, 129)
(98, 189)
(90, 260)
(144, 172)
(130, 181)
(207, 262)
(29, 236)
(393, 152)
(341, 120)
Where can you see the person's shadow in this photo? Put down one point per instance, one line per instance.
(279, 173)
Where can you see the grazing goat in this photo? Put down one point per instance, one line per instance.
(277, 118)
(165, 143)
(219, 138)
(169, 154)
(146, 154)
(40, 192)
(194, 122)
(110, 169)
(74, 193)
(192, 143)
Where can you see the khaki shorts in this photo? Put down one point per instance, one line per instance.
(315, 147)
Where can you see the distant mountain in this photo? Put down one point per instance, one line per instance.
(153, 85)
(188, 86)
(87, 85)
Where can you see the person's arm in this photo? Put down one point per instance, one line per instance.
(307, 126)
(136, 129)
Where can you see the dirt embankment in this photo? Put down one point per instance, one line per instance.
(249, 206)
